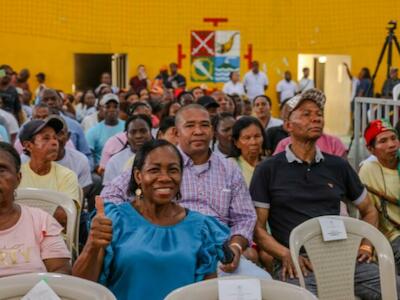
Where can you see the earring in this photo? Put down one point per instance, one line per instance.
(15, 194)
(138, 193)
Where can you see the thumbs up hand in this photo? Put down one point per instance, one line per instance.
(101, 230)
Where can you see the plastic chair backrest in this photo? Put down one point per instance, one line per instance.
(334, 262)
(65, 286)
(48, 201)
(270, 289)
(396, 92)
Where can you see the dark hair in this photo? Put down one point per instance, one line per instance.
(6, 147)
(166, 123)
(41, 76)
(230, 98)
(140, 159)
(82, 100)
(367, 73)
(130, 93)
(136, 105)
(138, 117)
(241, 124)
(184, 93)
(167, 107)
(216, 120)
(265, 97)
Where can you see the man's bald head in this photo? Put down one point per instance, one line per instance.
(181, 114)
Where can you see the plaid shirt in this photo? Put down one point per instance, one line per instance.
(218, 190)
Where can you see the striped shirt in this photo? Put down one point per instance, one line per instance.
(217, 190)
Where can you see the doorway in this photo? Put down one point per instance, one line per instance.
(90, 66)
(329, 75)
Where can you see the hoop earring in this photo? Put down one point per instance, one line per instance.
(178, 196)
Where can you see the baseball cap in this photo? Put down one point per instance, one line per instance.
(376, 127)
(207, 101)
(30, 129)
(109, 97)
(315, 95)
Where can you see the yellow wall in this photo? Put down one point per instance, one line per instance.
(44, 35)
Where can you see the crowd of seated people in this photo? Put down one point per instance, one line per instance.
(176, 180)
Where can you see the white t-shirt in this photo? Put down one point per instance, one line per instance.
(305, 84)
(117, 164)
(254, 84)
(231, 88)
(12, 124)
(287, 89)
(273, 122)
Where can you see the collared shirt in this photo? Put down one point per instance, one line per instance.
(295, 191)
(327, 143)
(78, 138)
(255, 83)
(219, 190)
(387, 181)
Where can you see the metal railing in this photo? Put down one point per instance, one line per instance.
(365, 111)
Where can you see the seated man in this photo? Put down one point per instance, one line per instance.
(39, 139)
(382, 179)
(302, 183)
(70, 158)
(210, 185)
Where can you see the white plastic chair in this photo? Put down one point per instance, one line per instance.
(334, 262)
(270, 289)
(48, 201)
(396, 92)
(65, 286)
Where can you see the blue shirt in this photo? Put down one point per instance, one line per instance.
(78, 138)
(148, 261)
(4, 134)
(98, 135)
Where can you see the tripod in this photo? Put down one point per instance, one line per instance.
(390, 39)
(388, 44)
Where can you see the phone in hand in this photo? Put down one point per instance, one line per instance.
(228, 254)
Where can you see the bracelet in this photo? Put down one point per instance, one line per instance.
(237, 246)
(366, 248)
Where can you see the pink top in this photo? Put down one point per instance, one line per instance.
(18, 146)
(113, 145)
(35, 237)
(326, 143)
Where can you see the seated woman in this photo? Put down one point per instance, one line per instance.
(248, 148)
(248, 145)
(149, 247)
(30, 239)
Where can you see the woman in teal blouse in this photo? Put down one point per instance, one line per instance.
(149, 247)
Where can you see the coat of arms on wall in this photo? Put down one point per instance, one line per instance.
(214, 55)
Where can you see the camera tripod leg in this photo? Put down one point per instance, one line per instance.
(396, 42)
(380, 58)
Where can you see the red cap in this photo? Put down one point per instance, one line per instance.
(376, 127)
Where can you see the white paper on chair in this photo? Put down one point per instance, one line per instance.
(41, 291)
(333, 229)
(239, 289)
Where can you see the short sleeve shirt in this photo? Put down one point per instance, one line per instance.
(35, 237)
(295, 191)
